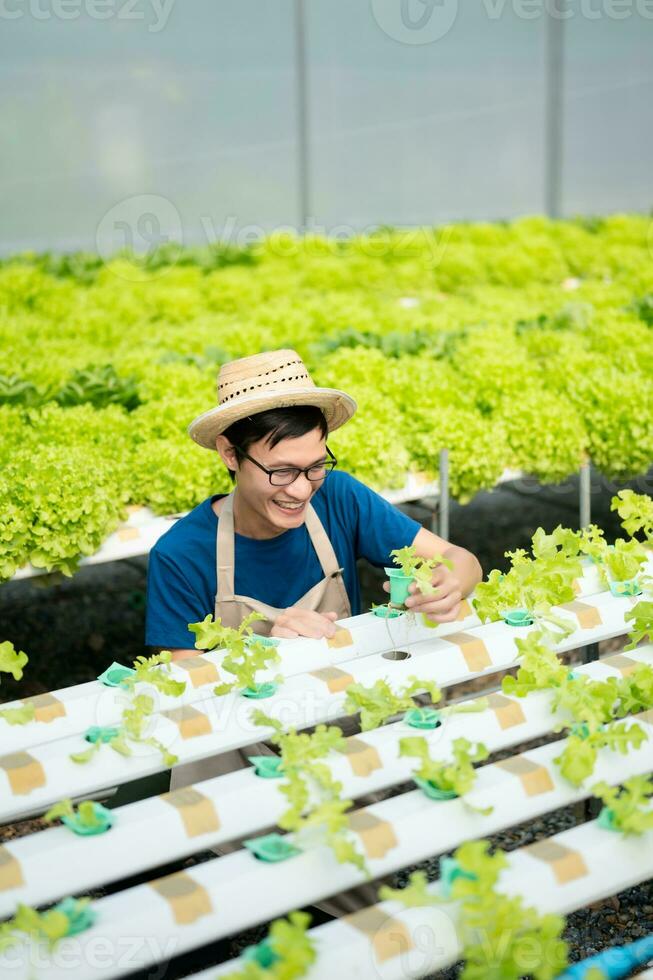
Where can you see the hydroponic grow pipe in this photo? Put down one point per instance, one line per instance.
(30, 781)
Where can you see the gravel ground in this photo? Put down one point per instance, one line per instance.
(73, 628)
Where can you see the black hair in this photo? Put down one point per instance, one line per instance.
(273, 426)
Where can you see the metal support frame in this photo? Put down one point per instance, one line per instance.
(554, 95)
(301, 101)
(443, 508)
(584, 492)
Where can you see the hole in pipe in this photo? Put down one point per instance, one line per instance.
(396, 655)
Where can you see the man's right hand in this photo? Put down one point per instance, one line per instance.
(304, 622)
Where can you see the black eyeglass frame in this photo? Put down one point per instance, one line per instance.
(329, 465)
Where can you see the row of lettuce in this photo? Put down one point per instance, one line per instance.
(522, 346)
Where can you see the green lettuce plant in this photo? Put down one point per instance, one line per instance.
(315, 805)
(455, 775)
(378, 702)
(245, 656)
(629, 805)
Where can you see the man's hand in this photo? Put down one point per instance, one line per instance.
(303, 622)
(441, 606)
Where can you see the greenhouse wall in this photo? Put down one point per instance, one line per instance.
(129, 123)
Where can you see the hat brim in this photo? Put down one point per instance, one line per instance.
(338, 408)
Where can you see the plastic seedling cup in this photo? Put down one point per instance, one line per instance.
(399, 585)
(450, 870)
(267, 766)
(262, 954)
(98, 733)
(105, 822)
(265, 690)
(80, 916)
(271, 848)
(581, 730)
(387, 612)
(266, 641)
(627, 587)
(432, 791)
(423, 718)
(114, 675)
(606, 820)
(517, 617)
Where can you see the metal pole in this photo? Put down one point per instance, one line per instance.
(443, 509)
(584, 493)
(301, 99)
(554, 87)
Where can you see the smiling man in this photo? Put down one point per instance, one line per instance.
(286, 540)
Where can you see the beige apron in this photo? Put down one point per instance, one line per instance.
(328, 595)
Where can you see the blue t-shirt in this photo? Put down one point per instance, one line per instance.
(182, 582)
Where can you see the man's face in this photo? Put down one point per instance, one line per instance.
(275, 508)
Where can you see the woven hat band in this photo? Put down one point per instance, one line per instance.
(278, 370)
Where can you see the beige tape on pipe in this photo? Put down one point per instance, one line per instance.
(535, 779)
(197, 811)
(188, 901)
(11, 873)
(190, 721)
(364, 759)
(46, 707)
(509, 713)
(389, 937)
(566, 864)
(377, 836)
(334, 678)
(341, 638)
(588, 616)
(25, 773)
(128, 534)
(625, 665)
(473, 650)
(201, 671)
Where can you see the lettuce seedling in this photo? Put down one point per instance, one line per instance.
(641, 616)
(11, 660)
(154, 670)
(629, 806)
(19, 716)
(311, 790)
(287, 953)
(420, 569)
(455, 775)
(134, 719)
(578, 758)
(379, 702)
(245, 656)
(85, 814)
(636, 513)
(414, 895)
(499, 933)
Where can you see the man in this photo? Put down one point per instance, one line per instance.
(286, 540)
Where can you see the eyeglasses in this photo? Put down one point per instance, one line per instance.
(283, 476)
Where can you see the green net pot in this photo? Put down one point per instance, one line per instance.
(267, 766)
(399, 586)
(265, 690)
(425, 718)
(433, 792)
(104, 817)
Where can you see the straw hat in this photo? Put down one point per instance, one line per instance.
(275, 379)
